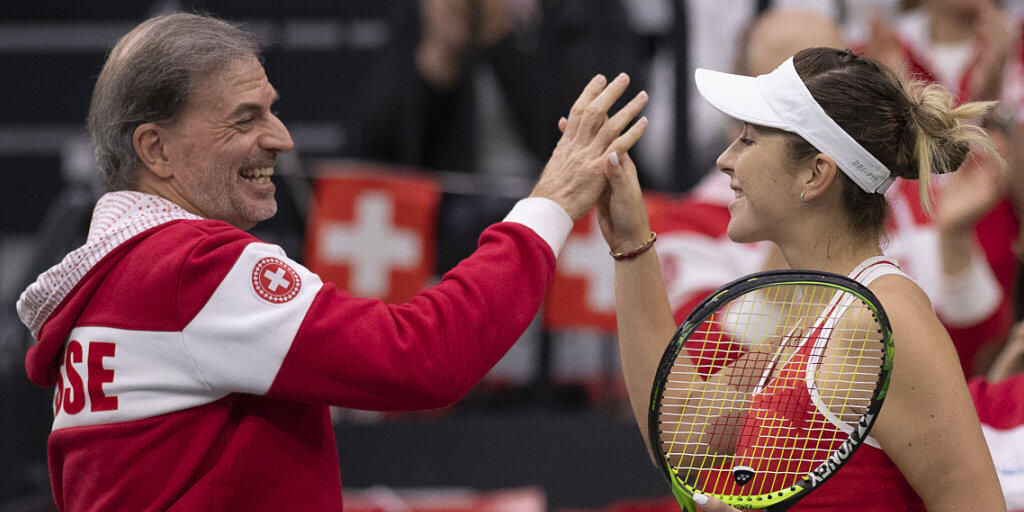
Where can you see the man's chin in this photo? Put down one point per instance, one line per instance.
(248, 220)
(262, 216)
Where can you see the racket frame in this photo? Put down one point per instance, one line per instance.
(782, 499)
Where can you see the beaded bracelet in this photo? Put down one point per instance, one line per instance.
(636, 252)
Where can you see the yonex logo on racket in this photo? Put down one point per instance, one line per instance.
(742, 475)
(838, 458)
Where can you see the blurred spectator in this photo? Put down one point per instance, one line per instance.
(999, 400)
(431, 106)
(963, 256)
(476, 86)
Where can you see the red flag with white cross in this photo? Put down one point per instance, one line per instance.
(372, 230)
(583, 292)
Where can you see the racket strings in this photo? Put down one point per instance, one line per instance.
(784, 372)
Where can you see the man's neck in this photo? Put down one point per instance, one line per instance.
(167, 191)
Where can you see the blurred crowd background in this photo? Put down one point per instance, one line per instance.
(460, 99)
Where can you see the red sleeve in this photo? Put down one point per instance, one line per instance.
(430, 351)
(999, 405)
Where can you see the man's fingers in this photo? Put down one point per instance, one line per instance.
(595, 113)
(625, 141)
(590, 92)
(618, 122)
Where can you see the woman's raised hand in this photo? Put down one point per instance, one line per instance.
(621, 211)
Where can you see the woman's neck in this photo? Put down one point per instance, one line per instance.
(826, 247)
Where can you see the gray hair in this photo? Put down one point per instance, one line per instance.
(148, 77)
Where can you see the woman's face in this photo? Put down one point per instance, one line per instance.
(767, 196)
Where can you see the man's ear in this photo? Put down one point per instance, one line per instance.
(149, 141)
(823, 169)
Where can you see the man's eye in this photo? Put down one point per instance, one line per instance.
(745, 141)
(246, 120)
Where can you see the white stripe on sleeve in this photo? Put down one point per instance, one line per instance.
(147, 373)
(240, 337)
(971, 296)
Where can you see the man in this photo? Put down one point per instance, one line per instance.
(193, 363)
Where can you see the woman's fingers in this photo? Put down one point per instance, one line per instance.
(709, 504)
(629, 170)
(621, 209)
(594, 88)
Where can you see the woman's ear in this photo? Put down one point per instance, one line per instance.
(821, 171)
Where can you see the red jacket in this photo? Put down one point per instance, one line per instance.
(194, 364)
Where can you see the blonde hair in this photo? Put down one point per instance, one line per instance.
(945, 134)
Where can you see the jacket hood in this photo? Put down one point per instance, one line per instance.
(117, 218)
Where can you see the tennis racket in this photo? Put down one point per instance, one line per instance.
(768, 388)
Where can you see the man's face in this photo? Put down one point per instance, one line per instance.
(226, 145)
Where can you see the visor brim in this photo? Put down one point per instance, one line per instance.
(738, 97)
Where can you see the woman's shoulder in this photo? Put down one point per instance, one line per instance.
(901, 297)
(915, 328)
(898, 288)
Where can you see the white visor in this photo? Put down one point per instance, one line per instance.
(781, 100)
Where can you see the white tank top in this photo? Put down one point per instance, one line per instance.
(875, 267)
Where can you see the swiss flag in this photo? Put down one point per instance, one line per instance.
(373, 229)
(695, 254)
(583, 292)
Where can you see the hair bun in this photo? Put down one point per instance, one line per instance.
(943, 132)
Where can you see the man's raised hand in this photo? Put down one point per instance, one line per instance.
(574, 176)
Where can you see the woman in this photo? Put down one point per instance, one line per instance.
(823, 206)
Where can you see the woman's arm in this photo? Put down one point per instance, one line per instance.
(927, 425)
(644, 318)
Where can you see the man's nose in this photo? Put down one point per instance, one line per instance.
(277, 138)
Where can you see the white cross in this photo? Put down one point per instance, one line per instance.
(371, 245)
(587, 256)
(276, 279)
